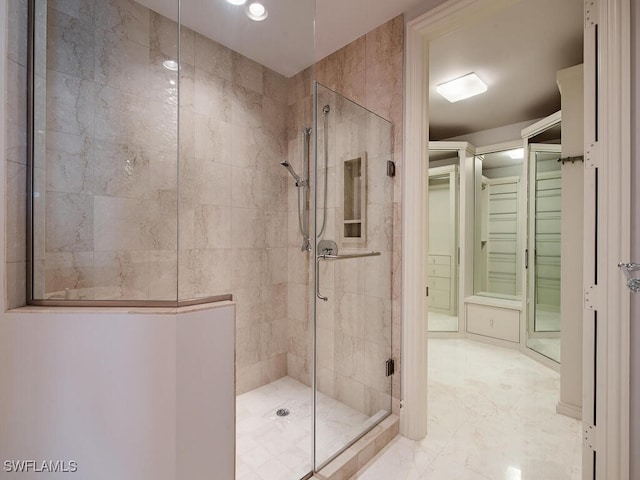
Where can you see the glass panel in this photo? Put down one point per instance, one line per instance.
(354, 323)
(104, 189)
(546, 205)
(443, 241)
(499, 191)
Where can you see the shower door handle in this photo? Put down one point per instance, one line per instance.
(336, 257)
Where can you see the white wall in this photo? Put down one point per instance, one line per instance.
(125, 395)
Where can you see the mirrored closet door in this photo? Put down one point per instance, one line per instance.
(544, 236)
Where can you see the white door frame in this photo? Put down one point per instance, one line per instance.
(611, 154)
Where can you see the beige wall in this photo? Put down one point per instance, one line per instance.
(570, 82)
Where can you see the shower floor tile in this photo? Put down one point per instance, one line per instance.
(491, 416)
(270, 447)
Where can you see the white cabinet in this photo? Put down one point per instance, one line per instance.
(495, 322)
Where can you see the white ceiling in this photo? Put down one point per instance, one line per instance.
(284, 41)
(517, 52)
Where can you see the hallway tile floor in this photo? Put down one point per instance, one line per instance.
(491, 417)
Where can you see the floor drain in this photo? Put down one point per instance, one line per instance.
(282, 412)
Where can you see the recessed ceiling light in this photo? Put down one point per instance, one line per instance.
(256, 11)
(462, 87)
(237, 2)
(516, 153)
(170, 65)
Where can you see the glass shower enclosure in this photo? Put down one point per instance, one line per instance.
(157, 135)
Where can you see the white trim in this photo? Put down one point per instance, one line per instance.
(434, 23)
(613, 348)
(542, 125)
(612, 157)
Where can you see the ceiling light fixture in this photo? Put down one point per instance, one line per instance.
(237, 2)
(170, 65)
(462, 87)
(516, 153)
(257, 12)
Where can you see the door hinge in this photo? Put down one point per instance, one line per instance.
(426, 291)
(591, 156)
(390, 367)
(591, 297)
(590, 13)
(589, 437)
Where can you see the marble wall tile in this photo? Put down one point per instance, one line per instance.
(277, 261)
(69, 163)
(125, 271)
(16, 212)
(248, 73)
(16, 276)
(213, 227)
(124, 18)
(17, 31)
(117, 224)
(70, 104)
(246, 188)
(204, 272)
(274, 300)
(350, 392)
(213, 58)
(15, 98)
(70, 222)
(247, 228)
(247, 338)
(276, 227)
(213, 139)
(248, 267)
(216, 187)
(163, 126)
(121, 117)
(121, 63)
(213, 96)
(70, 45)
(81, 9)
(276, 86)
(273, 340)
(350, 315)
(378, 320)
(246, 107)
(298, 264)
(385, 41)
(249, 307)
(163, 274)
(120, 170)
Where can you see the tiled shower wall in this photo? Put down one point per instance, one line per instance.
(368, 71)
(16, 153)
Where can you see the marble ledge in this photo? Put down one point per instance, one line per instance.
(31, 309)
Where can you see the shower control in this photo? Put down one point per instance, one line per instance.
(327, 247)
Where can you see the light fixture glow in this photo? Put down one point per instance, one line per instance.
(172, 82)
(516, 153)
(170, 65)
(256, 11)
(462, 87)
(237, 2)
(513, 474)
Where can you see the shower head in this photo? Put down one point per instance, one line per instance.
(288, 166)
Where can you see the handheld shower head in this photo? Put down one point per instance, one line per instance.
(288, 166)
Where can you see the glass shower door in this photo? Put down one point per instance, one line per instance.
(354, 206)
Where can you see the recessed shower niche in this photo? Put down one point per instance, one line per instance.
(355, 200)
